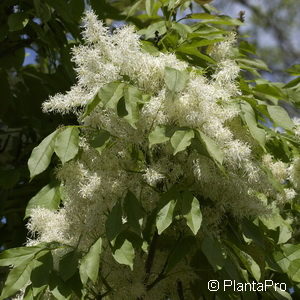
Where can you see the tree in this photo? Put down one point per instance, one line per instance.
(172, 176)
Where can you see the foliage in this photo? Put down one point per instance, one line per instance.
(172, 177)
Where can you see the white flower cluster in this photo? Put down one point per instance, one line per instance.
(93, 183)
(107, 58)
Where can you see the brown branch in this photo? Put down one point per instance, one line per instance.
(180, 290)
(150, 258)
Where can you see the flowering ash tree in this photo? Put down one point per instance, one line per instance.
(172, 177)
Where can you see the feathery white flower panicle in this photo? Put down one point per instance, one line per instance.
(106, 58)
(279, 169)
(286, 196)
(49, 225)
(152, 177)
(224, 50)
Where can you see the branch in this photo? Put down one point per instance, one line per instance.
(150, 258)
(180, 290)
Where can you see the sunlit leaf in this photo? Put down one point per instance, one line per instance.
(175, 80)
(211, 147)
(158, 135)
(41, 155)
(165, 216)
(125, 254)
(191, 212)
(294, 270)
(280, 116)
(256, 132)
(294, 70)
(248, 262)
(48, 197)
(89, 265)
(181, 139)
(17, 279)
(111, 93)
(213, 19)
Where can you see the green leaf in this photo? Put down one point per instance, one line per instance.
(213, 19)
(149, 7)
(134, 8)
(133, 98)
(247, 47)
(28, 295)
(158, 135)
(282, 261)
(58, 288)
(134, 211)
(148, 47)
(213, 251)
(89, 265)
(20, 255)
(114, 222)
(276, 221)
(279, 294)
(294, 270)
(41, 270)
(291, 252)
(92, 104)
(269, 91)
(48, 197)
(211, 147)
(294, 70)
(125, 254)
(17, 278)
(41, 155)
(280, 116)
(191, 211)
(149, 31)
(182, 248)
(293, 83)
(187, 50)
(182, 29)
(17, 21)
(66, 143)
(181, 139)
(285, 233)
(111, 93)
(253, 62)
(165, 216)
(35, 293)
(100, 140)
(248, 262)
(175, 80)
(68, 265)
(257, 133)
(195, 43)
(285, 257)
